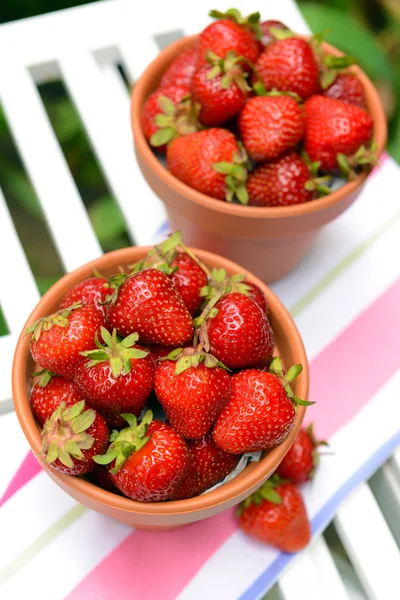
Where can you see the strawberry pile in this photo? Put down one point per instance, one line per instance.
(254, 113)
(172, 336)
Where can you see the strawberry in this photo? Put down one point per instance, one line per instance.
(334, 131)
(181, 70)
(211, 464)
(58, 340)
(260, 411)
(100, 477)
(225, 36)
(283, 182)
(270, 125)
(302, 459)
(147, 461)
(72, 437)
(167, 114)
(220, 88)
(191, 394)
(50, 391)
(267, 28)
(275, 514)
(240, 334)
(347, 88)
(189, 279)
(89, 292)
(116, 377)
(148, 303)
(289, 65)
(188, 486)
(257, 296)
(211, 162)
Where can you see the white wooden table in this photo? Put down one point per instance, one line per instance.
(82, 48)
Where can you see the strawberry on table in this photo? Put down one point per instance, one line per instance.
(182, 68)
(347, 88)
(90, 292)
(211, 162)
(116, 377)
(225, 36)
(57, 341)
(270, 125)
(300, 463)
(72, 437)
(49, 392)
(148, 303)
(147, 461)
(276, 515)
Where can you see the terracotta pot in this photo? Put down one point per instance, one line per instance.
(267, 241)
(162, 514)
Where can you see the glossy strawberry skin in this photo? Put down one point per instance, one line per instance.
(266, 26)
(257, 296)
(149, 303)
(298, 464)
(270, 125)
(181, 70)
(58, 349)
(153, 473)
(240, 335)
(289, 66)
(280, 182)
(192, 400)
(284, 526)
(258, 415)
(347, 88)
(112, 396)
(90, 292)
(45, 400)
(224, 36)
(334, 127)
(191, 159)
(218, 105)
(189, 279)
(151, 108)
(211, 464)
(100, 477)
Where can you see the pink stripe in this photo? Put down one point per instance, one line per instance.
(28, 469)
(344, 376)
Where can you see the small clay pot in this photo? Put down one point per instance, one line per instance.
(268, 241)
(160, 514)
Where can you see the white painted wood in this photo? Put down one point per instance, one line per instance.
(369, 543)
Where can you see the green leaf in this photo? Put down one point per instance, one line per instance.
(223, 167)
(166, 105)
(162, 136)
(271, 495)
(107, 219)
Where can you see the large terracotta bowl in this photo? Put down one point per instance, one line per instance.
(160, 514)
(268, 241)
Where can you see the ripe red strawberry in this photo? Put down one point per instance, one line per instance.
(276, 515)
(49, 393)
(334, 127)
(101, 478)
(191, 394)
(72, 437)
(225, 36)
(116, 378)
(281, 182)
(147, 461)
(289, 65)
(347, 88)
(259, 413)
(221, 90)
(90, 292)
(257, 296)
(167, 114)
(270, 125)
(148, 303)
(267, 37)
(182, 68)
(188, 486)
(189, 280)
(221, 283)
(301, 461)
(58, 340)
(240, 334)
(210, 162)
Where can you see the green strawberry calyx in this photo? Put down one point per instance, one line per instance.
(59, 318)
(251, 21)
(192, 357)
(316, 183)
(64, 435)
(45, 377)
(221, 282)
(332, 66)
(161, 256)
(175, 120)
(266, 492)
(118, 353)
(230, 70)
(365, 157)
(126, 442)
(235, 175)
(260, 90)
(316, 443)
(276, 369)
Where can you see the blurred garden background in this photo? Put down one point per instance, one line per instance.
(369, 30)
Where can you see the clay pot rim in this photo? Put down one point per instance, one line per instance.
(253, 475)
(152, 74)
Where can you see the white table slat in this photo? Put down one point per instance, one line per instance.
(135, 62)
(47, 168)
(369, 543)
(313, 575)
